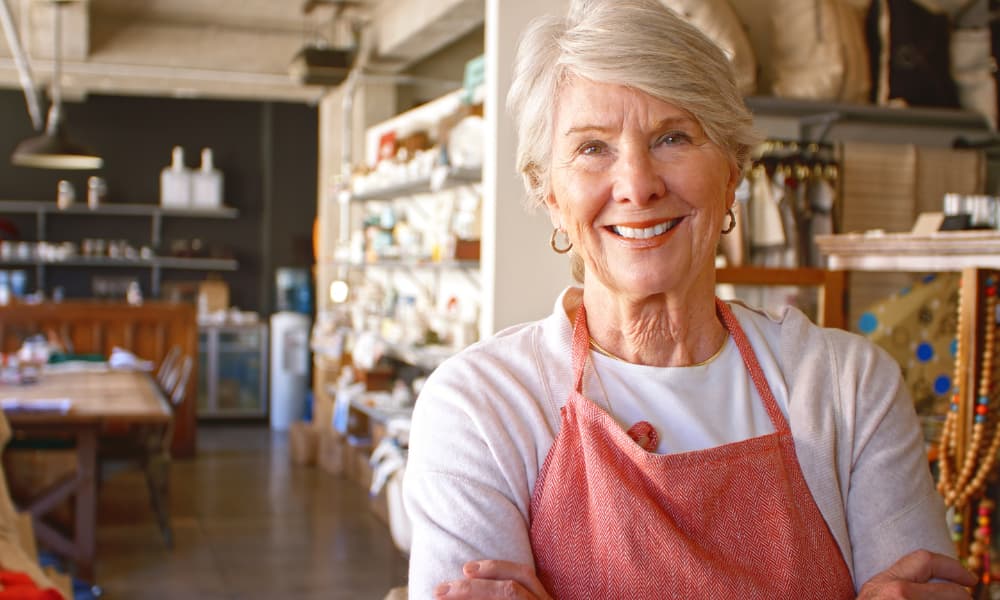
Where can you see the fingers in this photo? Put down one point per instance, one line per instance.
(898, 589)
(921, 566)
(494, 579)
(503, 569)
(483, 589)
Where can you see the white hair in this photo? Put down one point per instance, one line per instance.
(641, 44)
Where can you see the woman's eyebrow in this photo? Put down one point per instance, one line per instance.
(675, 121)
(587, 129)
(666, 123)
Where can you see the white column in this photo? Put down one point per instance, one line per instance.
(373, 102)
(521, 275)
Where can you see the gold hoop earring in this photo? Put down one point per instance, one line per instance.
(732, 222)
(553, 241)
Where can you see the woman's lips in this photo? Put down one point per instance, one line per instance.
(645, 230)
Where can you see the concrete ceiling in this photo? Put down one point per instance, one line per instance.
(221, 48)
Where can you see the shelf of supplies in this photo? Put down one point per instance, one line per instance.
(377, 407)
(456, 177)
(114, 209)
(425, 357)
(164, 262)
(941, 251)
(408, 264)
(868, 113)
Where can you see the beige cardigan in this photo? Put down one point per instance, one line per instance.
(486, 418)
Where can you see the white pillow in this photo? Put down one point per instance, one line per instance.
(716, 19)
(818, 51)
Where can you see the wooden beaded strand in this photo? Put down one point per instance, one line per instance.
(981, 455)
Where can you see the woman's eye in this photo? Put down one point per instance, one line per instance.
(673, 138)
(592, 148)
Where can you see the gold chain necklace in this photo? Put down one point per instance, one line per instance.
(601, 350)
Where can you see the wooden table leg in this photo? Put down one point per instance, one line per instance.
(86, 502)
(82, 485)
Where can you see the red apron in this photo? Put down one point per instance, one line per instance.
(610, 520)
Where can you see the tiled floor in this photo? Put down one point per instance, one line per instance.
(247, 524)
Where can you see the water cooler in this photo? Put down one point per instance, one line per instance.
(289, 367)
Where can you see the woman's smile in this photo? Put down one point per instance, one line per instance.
(649, 230)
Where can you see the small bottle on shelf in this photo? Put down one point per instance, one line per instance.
(206, 183)
(175, 182)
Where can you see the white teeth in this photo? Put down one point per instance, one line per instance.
(645, 233)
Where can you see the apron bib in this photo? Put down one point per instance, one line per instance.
(611, 520)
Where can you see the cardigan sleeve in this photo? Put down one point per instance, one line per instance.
(893, 507)
(467, 488)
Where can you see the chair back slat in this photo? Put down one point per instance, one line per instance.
(179, 388)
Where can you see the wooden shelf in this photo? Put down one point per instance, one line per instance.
(941, 251)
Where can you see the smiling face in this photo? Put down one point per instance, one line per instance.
(639, 188)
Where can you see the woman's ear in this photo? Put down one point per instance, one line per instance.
(734, 181)
(553, 207)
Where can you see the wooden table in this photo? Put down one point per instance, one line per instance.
(99, 400)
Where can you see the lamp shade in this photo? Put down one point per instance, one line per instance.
(54, 150)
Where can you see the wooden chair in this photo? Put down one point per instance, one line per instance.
(152, 448)
(168, 367)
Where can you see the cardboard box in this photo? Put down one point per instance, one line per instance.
(331, 452)
(325, 373)
(213, 295)
(358, 469)
(303, 443)
(467, 249)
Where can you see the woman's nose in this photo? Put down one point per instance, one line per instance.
(637, 179)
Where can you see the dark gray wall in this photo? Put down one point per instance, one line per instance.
(266, 151)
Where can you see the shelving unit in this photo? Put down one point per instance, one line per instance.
(154, 212)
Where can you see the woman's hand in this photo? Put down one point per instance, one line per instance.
(910, 578)
(501, 579)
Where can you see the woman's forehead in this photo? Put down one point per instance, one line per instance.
(582, 104)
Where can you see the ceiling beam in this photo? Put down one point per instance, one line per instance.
(413, 29)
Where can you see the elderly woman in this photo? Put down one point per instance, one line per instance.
(647, 440)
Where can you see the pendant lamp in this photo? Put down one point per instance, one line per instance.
(53, 149)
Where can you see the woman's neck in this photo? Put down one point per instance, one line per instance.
(663, 330)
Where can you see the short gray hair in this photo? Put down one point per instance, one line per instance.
(636, 43)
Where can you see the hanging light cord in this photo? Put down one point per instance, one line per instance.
(55, 110)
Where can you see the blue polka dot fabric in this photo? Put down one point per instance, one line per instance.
(916, 326)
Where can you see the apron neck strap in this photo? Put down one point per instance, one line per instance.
(581, 347)
(753, 366)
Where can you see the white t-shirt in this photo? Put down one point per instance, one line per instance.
(695, 407)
